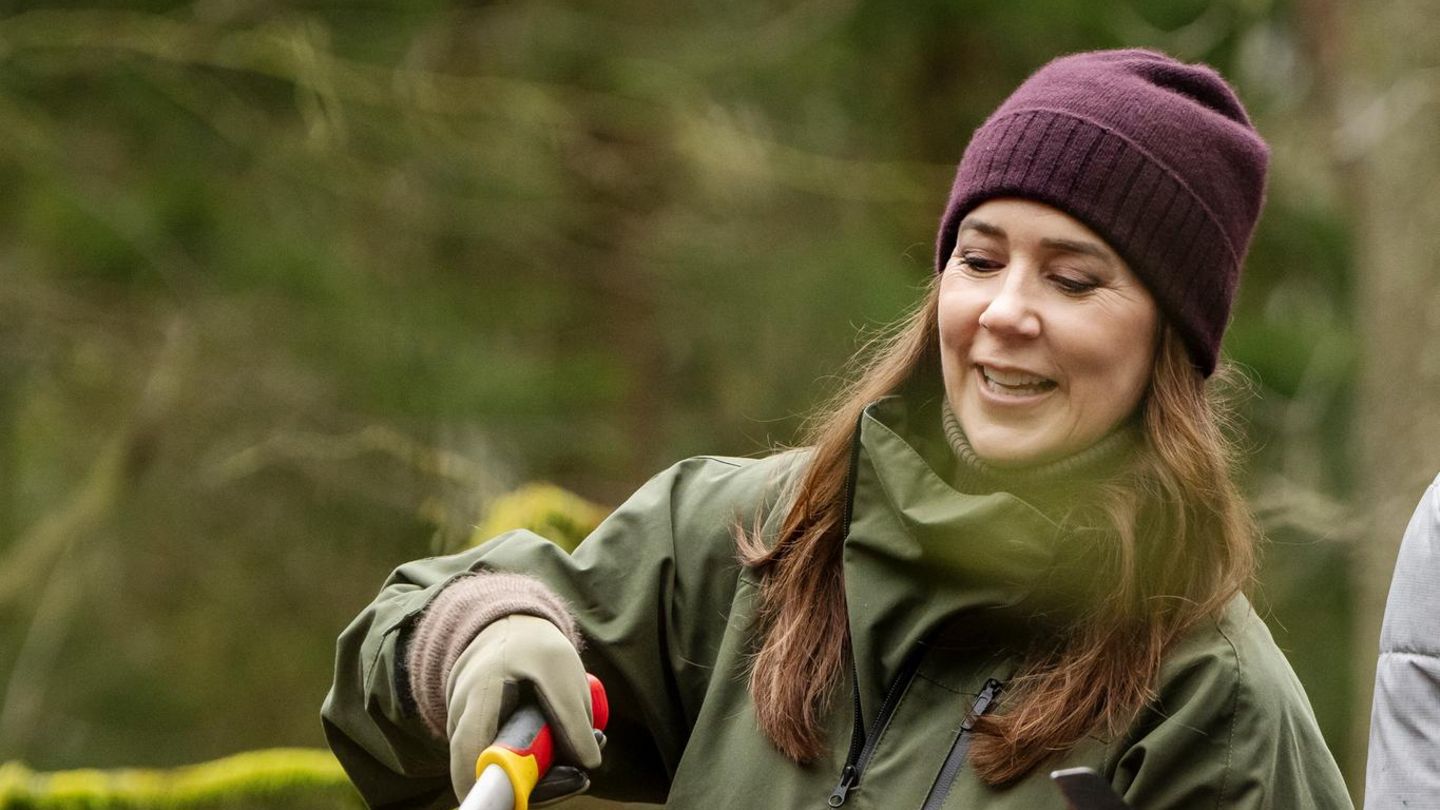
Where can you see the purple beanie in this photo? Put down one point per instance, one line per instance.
(1156, 156)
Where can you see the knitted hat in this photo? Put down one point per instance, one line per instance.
(1156, 156)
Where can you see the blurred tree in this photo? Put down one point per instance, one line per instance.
(1380, 65)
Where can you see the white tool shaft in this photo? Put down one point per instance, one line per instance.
(492, 791)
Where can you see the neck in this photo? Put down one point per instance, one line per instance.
(1054, 486)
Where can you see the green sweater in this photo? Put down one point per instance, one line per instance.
(667, 614)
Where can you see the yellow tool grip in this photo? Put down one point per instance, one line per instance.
(522, 769)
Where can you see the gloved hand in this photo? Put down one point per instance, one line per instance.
(484, 687)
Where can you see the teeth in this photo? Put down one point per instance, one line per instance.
(1015, 383)
(1012, 378)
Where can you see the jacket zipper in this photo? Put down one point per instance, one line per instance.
(862, 746)
(955, 760)
(850, 774)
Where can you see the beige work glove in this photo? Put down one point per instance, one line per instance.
(484, 687)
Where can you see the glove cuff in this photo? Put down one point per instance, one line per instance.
(454, 618)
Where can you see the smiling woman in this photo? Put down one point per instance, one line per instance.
(1011, 544)
(1046, 336)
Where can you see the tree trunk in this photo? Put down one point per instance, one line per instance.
(1387, 103)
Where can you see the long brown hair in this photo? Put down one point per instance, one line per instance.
(1179, 544)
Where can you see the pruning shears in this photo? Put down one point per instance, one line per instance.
(508, 770)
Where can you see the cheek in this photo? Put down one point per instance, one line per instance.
(1115, 368)
(957, 319)
(956, 334)
(1142, 337)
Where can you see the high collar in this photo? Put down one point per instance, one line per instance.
(922, 555)
(1053, 487)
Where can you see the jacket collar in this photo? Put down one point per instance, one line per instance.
(921, 555)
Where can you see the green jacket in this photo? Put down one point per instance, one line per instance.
(667, 616)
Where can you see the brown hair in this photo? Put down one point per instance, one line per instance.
(1178, 544)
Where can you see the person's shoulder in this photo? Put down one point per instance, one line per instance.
(743, 478)
(1414, 597)
(1420, 546)
(710, 495)
(1234, 660)
(1261, 665)
(779, 460)
(1231, 725)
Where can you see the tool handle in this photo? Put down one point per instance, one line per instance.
(525, 747)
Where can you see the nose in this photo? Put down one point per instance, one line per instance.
(1011, 310)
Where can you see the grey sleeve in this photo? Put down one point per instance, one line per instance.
(1404, 757)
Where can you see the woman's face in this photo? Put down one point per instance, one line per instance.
(1047, 338)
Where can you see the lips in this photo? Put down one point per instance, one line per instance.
(1013, 382)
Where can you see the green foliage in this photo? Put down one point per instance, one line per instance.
(277, 779)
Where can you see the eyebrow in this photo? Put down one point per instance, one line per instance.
(1065, 245)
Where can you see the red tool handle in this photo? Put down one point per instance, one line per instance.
(525, 748)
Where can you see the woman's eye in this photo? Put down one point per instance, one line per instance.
(1074, 286)
(976, 264)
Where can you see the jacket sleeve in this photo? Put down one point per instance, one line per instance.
(1404, 759)
(651, 589)
(1232, 727)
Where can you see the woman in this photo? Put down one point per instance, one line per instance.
(1012, 545)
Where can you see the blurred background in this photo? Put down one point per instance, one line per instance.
(290, 293)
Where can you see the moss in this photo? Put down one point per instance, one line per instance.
(278, 779)
(551, 512)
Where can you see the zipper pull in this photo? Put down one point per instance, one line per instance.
(988, 693)
(848, 778)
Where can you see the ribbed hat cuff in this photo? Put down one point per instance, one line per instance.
(1146, 213)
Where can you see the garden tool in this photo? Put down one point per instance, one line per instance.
(510, 768)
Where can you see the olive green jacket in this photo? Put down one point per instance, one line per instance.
(667, 614)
